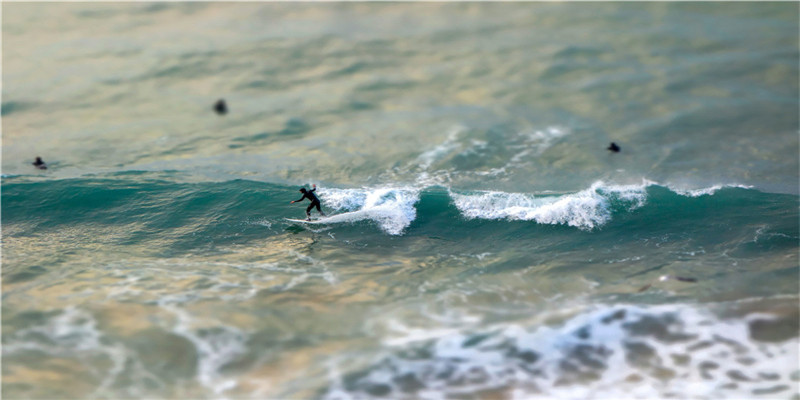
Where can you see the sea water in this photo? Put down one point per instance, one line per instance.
(484, 243)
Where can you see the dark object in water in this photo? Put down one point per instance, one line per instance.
(665, 278)
(39, 163)
(220, 107)
(677, 278)
(613, 147)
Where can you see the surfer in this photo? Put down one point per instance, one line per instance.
(309, 194)
(39, 163)
(221, 107)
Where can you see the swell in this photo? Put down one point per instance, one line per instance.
(177, 216)
(240, 210)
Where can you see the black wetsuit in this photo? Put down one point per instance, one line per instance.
(39, 163)
(309, 194)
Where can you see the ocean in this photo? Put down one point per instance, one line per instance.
(482, 241)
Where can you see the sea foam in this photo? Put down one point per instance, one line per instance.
(621, 351)
(587, 209)
(707, 191)
(391, 208)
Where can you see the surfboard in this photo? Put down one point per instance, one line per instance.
(332, 218)
(303, 221)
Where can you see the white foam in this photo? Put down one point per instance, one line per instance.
(704, 191)
(215, 348)
(536, 141)
(165, 281)
(74, 334)
(262, 222)
(427, 158)
(624, 351)
(586, 209)
(391, 208)
(523, 145)
(73, 329)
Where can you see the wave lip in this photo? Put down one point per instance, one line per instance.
(708, 191)
(586, 209)
(391, 208)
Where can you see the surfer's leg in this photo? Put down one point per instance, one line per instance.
(319, 209)
(308, 211)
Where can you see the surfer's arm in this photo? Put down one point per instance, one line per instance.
(301, 199)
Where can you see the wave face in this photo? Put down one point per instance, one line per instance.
(223, 208)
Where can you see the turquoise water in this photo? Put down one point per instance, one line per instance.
(483, 242)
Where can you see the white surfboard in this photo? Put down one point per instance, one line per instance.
(305, 221)
(346, 217)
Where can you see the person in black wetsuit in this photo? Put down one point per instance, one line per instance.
(39, 163)
(309, 194)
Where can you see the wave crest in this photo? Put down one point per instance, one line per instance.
(586, 209)
(391, 208)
